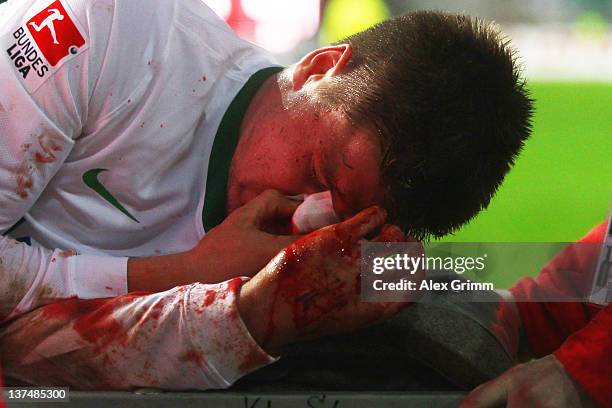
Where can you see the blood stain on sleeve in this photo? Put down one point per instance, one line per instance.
(23, 179)
(234, 285)
(93, 318)
(140, 317)
(49, 146)
(49, 142)
(252, 361)
(209, 297)
(68, 253)
(155, 311)
(41, 158)
(72, 307)
(193, 356)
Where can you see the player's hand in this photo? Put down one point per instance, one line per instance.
(240, 246)
(540, 383)
(243, 244)
(312, 288)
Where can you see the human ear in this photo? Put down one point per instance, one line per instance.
(322, 63)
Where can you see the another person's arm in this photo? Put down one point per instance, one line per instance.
(571, 340)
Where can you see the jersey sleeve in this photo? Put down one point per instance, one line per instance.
(2, 404)
(587, 357)
(34, 276)
(577, 333)
(190, 337)
(548, 324)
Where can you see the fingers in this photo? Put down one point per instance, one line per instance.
(390, 233)
(492, 394)
(364, 222)
(269, 206)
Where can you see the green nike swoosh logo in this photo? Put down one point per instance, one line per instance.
(90, 178)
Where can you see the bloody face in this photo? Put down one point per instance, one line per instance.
(308, 156)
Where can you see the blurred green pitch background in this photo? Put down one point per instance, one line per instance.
(561, 185)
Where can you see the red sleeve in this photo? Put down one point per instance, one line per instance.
(2, 404)
(578, 333)
(587, 357)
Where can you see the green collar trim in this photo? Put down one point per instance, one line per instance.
(226, 140)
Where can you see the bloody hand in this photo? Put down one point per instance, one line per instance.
(312, 287)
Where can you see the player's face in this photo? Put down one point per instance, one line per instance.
(293, 145)
(309, 157)
(350, 168)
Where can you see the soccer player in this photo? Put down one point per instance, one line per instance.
(139, 146)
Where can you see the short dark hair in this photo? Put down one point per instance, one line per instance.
(445, 93)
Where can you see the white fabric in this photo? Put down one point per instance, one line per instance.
(142, 99)
(189, 337)
(317, 211)
(34, 276)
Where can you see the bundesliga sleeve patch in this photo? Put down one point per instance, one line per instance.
(38, 47)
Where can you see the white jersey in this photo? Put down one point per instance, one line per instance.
(108, 114)
(118, 120)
